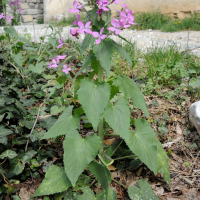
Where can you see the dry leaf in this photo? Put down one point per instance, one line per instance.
(24, 193)
(111, 167)
(110, 141)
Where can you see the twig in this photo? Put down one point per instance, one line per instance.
(119, 183)
(36, 119)
(18, 70)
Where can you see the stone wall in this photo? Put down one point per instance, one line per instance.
(32, 11)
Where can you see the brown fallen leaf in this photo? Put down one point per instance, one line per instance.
(110, 141)
(111, 167)
(25, 194)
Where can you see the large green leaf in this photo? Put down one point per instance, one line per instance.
(16, 167)
(64, 124)
(90, 58)
(8, 154)
(142, 143)
(78, 153)
(88, 40)
(38, 68)
(77, 86)
(55, 181)
(87, 194)
(101, 173)
(18, 59)
(162, 160)
(107, 195)
(94, 98)
(11, 30)
(103, 53)
(4, 131)
(131, 90)
(118, 116)
(120, 50)
(144, 192)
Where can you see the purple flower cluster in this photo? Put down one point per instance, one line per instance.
(7, 17)
(55, 62)
(124, 19)
(17, 4)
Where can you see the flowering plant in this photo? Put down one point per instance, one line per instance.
(104, 101)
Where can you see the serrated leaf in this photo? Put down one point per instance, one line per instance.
(16, 167)
(94, 98)
(118, 116)
(55, 110)
(144, 192)
(21, 107)
(18, 59)
(120, 50)
(77, 86)
(64, 124)
(101, 173)
(55, 181)
(2, 101)
(87, 194)
(47, 123)
(78, 153)
(8, 154)
(37, 68)
(88, 40)
(11, 30)
(131, 90)
(90, 58)
(162, 162)
(26, 123)
(4, 131)
(103, 53)
(142, 143)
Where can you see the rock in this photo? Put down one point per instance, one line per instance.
(194, 115)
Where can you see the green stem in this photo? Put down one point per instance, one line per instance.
(101, 135)
(125, 157)
(119, 183)
(114, 135)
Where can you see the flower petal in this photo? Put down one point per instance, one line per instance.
(95, 34)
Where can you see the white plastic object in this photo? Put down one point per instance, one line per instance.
(194, 115)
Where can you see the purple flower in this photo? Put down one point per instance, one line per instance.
(61, 43)
(2, 16)
(103, 4)
(100, 36)
(12, 3)
(73, 32)
(116, 25)
(76, 9)
(57, 19)
(60, 57)
(128, 18)
(100, 11)
(117, 1)
(17, 2)
(20, 10)
(76, 22)
(84, 28)
(9, 18)
(65, 69)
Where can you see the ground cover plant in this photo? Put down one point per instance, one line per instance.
(52, 129)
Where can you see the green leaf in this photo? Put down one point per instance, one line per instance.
(18, 59)
(55, 110)
(142, 143)
(94, 98)
(144, 192)
(90, 58)
(88, 40)
(77, 86)
(61, 79)
(53, 41)
(28, 156)
(108, 17)
(16, 167)
(4, 131)
(111, 195)
(78, 153)
(2, 116)
(103, 53)
(120, 50)
(101, 173)
(8, 154)
(21, 107)
(11, 30)
(131, 90)
(195, 82)
(59, 196)
(37, 68)
(87, 194)
(162, 160)
(118, 116)
(55, 181)
(64, 124)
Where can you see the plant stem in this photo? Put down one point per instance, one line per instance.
(125, 157)
(119, 183)
(114, 135)
(100, 79)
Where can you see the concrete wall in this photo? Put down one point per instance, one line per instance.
(178, 8)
